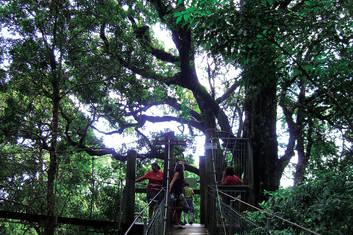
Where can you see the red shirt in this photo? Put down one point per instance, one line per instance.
(232, 180)
(155, 180)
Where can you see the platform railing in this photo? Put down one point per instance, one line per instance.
(156, 224)
(227, 217)
(144, 209)
(231, 212)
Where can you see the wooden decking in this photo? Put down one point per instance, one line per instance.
(195, 229)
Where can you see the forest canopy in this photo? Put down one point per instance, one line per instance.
(268, 71)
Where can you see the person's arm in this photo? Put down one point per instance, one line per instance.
(175, 177)
(142, 178)
(139, 179)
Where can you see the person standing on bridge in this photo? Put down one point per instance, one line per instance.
(155, 179)
(189, 193)
(229, 177)
(176, 190)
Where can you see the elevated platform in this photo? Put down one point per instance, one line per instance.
(194, 229)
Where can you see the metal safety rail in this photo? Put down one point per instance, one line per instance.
(228, 219)
(231, 204)
(156, 223)
(224, 205)
(144, 209)
(223, 218)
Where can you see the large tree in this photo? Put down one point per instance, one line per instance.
(37, 84)
(84, 61)
(299, 50)
(205, 110)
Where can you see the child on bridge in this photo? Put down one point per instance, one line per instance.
(189, 193)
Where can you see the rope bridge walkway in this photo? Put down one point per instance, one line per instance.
(195, 229)
(227, 218)
(226, 211)
(223, 209)
(157, 224)
(226, 208)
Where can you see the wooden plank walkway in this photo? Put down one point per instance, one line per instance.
(194, 229)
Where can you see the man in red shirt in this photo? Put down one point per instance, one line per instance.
(155, 179)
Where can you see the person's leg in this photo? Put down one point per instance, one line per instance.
(178, 215)
(185, 213)
(191, 211)
(150, 196)
(173, 215)
(190, 218)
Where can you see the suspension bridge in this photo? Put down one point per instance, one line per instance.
(222, 207)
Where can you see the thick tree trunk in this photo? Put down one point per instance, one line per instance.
(260, 76)
(303, 157)
(52, 171)
(304, 151)
(51, 221)
(261, 127)
(260, 70)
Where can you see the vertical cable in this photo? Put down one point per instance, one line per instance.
(216, 184)
(167, 190)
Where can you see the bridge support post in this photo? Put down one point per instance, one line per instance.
(250, 166)
(169, 162)
(129, 190)
(211, 147)
(203, 190)
(171, 169)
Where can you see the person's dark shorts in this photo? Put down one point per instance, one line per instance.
(151, 195)
(191, 206)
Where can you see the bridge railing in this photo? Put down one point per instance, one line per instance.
(229, 216)
(225, 215)
(156, 224)
(154, 219)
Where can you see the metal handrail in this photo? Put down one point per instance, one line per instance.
(271, 215)
(217, 191)
(162, 208)
(156, 221)
(234, 221)
(143, 210)
(167, 191)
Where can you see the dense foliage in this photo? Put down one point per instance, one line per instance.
(257, 69)
(306, 44)
(86, 187)
(323, 203)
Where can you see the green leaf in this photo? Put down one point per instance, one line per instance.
(308, 3)
(308, 67)
(178, 13)
(179, 19)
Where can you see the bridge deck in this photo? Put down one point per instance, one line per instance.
(195, 229)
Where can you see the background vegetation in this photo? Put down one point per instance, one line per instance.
(277, 72)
